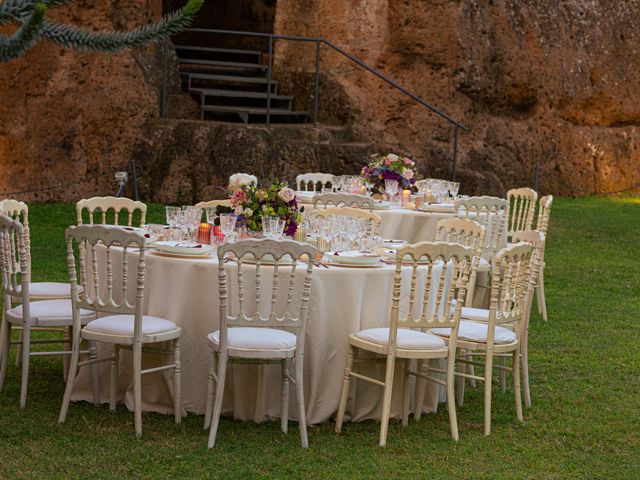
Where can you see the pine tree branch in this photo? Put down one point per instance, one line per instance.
(14, 46)
(83, 39)
(19, 10)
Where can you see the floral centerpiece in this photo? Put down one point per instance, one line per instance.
(389, 167)
(239, 180)
(251, 203)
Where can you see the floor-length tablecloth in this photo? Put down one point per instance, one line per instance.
(343, 301)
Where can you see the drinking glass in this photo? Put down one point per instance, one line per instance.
(172, 214)
(273, 227)
(228, 224)
(454, 187)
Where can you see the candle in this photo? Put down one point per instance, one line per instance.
(406, 197)
(204, 233)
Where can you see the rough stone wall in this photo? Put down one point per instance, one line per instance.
(72, 119)
(533, 79)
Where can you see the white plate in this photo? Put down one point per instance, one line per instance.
(437, 207)
(178, 255)
(353, 258)
(140, 231)
(183, 248)
(381, 205)
(304, 196)
(392, 243)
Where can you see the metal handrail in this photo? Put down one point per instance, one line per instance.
(457, 126)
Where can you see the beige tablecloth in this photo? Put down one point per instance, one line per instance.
(343, 301)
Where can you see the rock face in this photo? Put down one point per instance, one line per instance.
(533, 80)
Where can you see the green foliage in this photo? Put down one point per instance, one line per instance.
(31, 16)
(584, 365)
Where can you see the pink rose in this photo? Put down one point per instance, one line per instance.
(387, 162)
(238, 197)
(408, 161)
(408, 174)
(286, 194)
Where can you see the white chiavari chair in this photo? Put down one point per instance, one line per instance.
(499, 335)
(310, 181)
(29, 314)
(259, 329)
(542, 225)
(124, 326)
(104, 204)
(213, 204)
(374, 219)
(342, 200)
(437, 268)
(522, 206)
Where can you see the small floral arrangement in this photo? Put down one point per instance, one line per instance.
(252, 203)
(239, 180)
(389, 167)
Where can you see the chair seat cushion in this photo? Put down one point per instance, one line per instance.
(406, 339)
(49, 289)
(477, 332)
(479, 314)
(122, 325)
(256, 338)
(50, 312)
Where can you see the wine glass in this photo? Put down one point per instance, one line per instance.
(228, 224)
(172, 214)
(391, 187)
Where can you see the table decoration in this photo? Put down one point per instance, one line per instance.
(251, 204)
(239, 180)
(389, 167)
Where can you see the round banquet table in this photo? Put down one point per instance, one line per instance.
(185, 291)
(410, 225)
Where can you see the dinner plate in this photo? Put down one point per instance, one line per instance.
(179, 255)
(150, 238)
(353, 257)
(393, 243)
(437, 207)
(183, 248)
(305, 196)
(377, 264)
(381, 205)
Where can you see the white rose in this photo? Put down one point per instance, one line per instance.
(247, 212)
(393, 157)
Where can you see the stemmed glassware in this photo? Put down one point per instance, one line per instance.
(228, 225)
(391, 187)
(273, 227)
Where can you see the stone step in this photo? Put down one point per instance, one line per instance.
(214, 92)
(247, 114)
(218, 63)
(228, 54)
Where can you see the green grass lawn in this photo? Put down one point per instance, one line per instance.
(585, 374)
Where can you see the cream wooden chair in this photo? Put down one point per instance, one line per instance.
(375, 220)
(542, 225)
(522, 206)
(246, 335)
(342, 199)
(125, 326)
(536, 239)
(428, 306)
(104, 204)
(499, 335)
(491, 213)
(30, 314)
(213, 204)
(465, 232)
(306, 180)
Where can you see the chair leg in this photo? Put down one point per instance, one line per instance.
(503, 375)
(113, 377)
(344, 394)
(488, 380)
(71, 376)
(284, 410)
(26, 349)
(386, 399)
(5, 337)
(471, 370)
(516, 383)
(451, 401)
(461, 383)
(211, 385)
(95, 373)
(137, 388)
(406, 388)
(302, 414)
(177, 382)
(67, 346)
(541, 296)
(217, 406)
(421, 389)
(524, 356)
(19, 348)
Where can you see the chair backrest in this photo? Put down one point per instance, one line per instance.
(537, 240)
(104, 204)
(281, 300)
(18, 210)
(544, 211)
(440, 272)
(213, 204)
(313, 180)
(13, 258)
(510, 282)
(375, 220)
(92, 281)
(342, 199)
(491, 213)
(461, 230)
(522, 206)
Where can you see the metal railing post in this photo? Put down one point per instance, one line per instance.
(536, 176)
(165, 76)
(269, 72)
(316, 86)
(134, 178)
(455, 153)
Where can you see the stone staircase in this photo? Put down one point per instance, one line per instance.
(231, 85)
